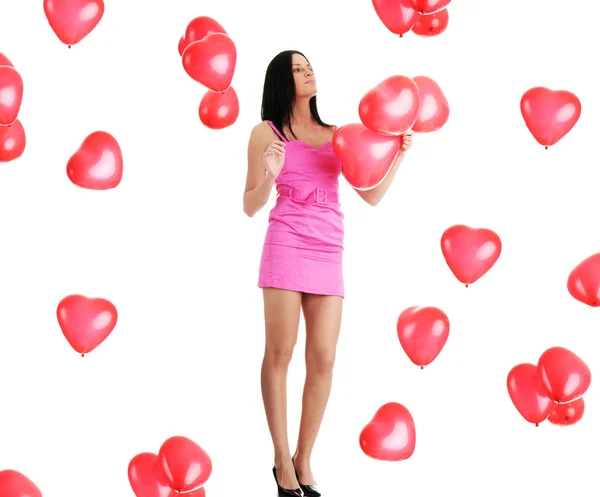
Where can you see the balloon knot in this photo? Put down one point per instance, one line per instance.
(82, 355)
(546, 147)
(422, 367)
(401, 36)
(467, 285)
(537, 424)
(69, 46)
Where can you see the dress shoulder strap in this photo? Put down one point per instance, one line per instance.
(276, 130)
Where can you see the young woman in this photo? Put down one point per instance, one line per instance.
(301, 264)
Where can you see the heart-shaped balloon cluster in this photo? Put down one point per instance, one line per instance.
(209, 56)
(553, 389)
(422, 17)
(180, 467)
(12, 134)
(397, 104)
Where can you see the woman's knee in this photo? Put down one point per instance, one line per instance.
(320, 361)
(279, 355)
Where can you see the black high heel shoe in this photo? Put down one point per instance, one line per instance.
(284, 492)
(307, 490)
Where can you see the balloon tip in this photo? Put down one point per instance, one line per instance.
(546, 147)
(82, 355)
(422, 367)
(467, 285)
(537, 424)
(401, 36)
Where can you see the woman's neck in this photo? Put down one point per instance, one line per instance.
(301, 116)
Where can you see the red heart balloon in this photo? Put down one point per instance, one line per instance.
(470, 252)
(5, 61)
(564, 375)
(527, 393)
(366, 156)
(73, 20)
(428, 6)
(219, 110)
(198, 29)
(391, 107)
(15, 484)
(584, 281)
(211, 61)
(390, 435)
(146, 478)
(11, 95)
(12, 141)
(568, 414)
(432, 24)
(86, 322)
(549, 115)
(434, 110)
(396, 15)
(423, 332)
(184, 463)
(97, 164)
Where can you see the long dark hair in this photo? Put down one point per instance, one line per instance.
(279, 93)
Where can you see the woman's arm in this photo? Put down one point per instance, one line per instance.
(374, 196)
(258, 182)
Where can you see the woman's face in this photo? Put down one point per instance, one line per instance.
(306, 84)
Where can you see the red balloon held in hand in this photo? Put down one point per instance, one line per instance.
(73, 20)
(211, 61)
(564, 375)
(11, 95)
(12, 141)
(366, 156)
(549, 115)
(15, 484)
(434, 110)
(390, 435)
(470, 252)
(86, 322)
(198, 29)
(184, 463)
(568, 414)
(390, 107)
(146, 477)
(396, 15)
(584, 281)
(97, 164)
(428, 6)
(423, 332)
(219, 110)
(528, 395)
(432, 24)
(5, 61)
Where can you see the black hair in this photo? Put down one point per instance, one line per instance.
(279, 93)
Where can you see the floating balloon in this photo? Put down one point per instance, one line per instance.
(470, 252)
(528, 395)
(198, 29)
(15, 484)
(184, 463)
(219, 110)
(73, 20)
(432, 24)
(5, 61)
(390, 107)
(11, 95)
(434, 110)
(568, 414)
(366, 156)
(211, 61)
(549, 115)
(564, 375)
(396, 15)
(423, 332)
(97, 164)
(428, 6)
(12, 141)
(584, 281)
(146, 477)
(390, 435)
(86, 322)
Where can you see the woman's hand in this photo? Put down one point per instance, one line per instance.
(274, 158)
(407, 140)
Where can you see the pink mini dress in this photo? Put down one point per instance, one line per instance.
(304, 243)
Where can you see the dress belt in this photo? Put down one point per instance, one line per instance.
(317, 196)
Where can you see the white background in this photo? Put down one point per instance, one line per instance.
(172, 249)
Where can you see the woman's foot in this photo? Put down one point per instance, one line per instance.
(303, 471)
(285, 475)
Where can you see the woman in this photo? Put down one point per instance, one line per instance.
(301, 264)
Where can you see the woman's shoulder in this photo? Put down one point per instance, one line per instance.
(261, 129)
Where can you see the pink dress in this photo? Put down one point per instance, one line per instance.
(304, 243)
